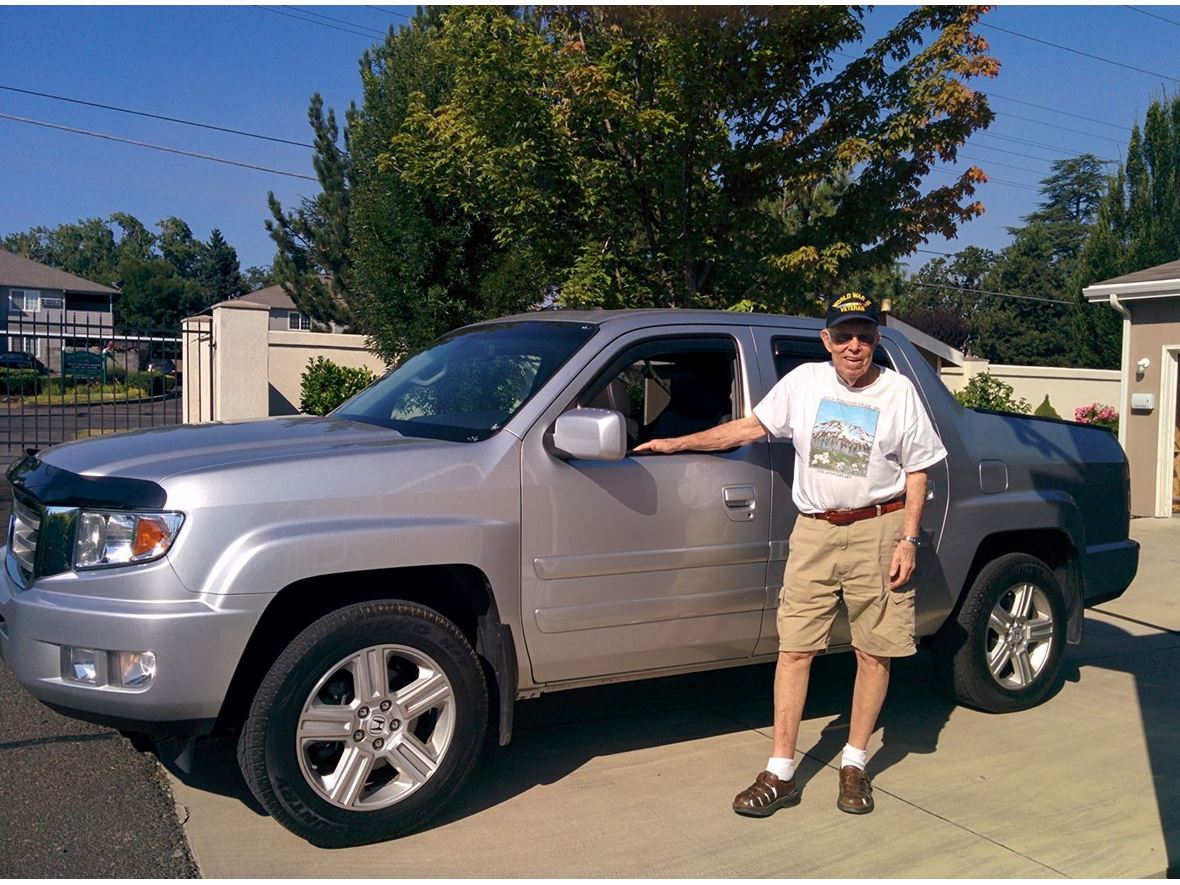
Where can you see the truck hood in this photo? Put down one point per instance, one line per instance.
(157, 453)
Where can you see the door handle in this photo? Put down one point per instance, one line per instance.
(739, 501)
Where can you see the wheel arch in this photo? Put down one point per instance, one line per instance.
(1052, 546)
(459, 592)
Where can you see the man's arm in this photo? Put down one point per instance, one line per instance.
(905, 556)
(729, 435)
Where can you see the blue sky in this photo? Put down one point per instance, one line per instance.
(254, 69)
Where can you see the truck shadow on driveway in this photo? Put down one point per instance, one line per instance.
(559, 733)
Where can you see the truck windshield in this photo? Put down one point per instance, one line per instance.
(466, 385)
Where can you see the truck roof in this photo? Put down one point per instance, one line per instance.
(671, 316)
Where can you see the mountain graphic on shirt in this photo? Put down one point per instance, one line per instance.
(842, 438)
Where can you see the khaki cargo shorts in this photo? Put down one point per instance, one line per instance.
(828, 564)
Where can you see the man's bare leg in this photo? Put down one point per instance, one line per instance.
(790, 692)
(868, 695)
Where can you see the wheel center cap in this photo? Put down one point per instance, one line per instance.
(377, 725)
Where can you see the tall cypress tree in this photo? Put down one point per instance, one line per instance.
(1138, 227)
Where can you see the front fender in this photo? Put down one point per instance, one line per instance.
(273, 556)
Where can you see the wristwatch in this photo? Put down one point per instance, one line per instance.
(916, 540)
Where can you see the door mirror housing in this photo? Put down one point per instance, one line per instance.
(590, 435)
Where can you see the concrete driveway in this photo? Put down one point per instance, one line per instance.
(636, 780)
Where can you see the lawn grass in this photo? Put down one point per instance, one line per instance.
(85, 394)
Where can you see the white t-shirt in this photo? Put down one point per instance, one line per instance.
(853, 446)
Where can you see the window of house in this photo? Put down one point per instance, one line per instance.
(52, 301)
(300, 321)
(25, 300)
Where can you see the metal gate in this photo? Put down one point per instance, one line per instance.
(64, 380)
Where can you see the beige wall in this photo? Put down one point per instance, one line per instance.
(1155, 327)
(1067, 388)
(236, 369)
(290, 352)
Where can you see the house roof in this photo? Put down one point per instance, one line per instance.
(1163, 280)
(16, 270)
(271, 296)
(1169, 271)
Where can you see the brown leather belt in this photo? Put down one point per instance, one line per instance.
(848, 517)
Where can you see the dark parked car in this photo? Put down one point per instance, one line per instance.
(18, 359)
(163, 365)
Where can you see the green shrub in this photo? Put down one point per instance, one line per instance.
(153, 383)
(20, 382)
(1046, 410)
(985, 391)
(325, 385)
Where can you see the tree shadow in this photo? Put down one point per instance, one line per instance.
(1109, 647)
(557, 734)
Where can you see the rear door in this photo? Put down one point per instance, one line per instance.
(655, 561)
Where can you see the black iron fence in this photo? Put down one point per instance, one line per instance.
(71, 376)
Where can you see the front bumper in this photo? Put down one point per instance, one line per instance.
(197, 641)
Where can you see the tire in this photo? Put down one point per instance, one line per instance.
(1002, 651)
(366, 725)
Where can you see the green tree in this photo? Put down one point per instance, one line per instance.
(311, 263)
(699, 157)
(217, 269)
(178, 246)
(940, 300)
(1138, 226)
(155, 296)
(256, 277)
(163, 277)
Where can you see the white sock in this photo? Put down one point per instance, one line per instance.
(853, 756)
(783, 769)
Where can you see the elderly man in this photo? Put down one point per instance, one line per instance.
(863, 443)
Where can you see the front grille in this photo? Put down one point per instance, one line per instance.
(23, 528)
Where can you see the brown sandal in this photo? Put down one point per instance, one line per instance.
(856, 794)
(765, 796)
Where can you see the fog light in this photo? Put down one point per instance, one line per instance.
(122, 669)
(135, 668)
(79, 665)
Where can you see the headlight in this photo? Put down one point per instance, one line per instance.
(114, 538)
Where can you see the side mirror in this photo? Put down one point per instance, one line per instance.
(590, 435)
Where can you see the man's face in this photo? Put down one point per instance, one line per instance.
(851, 345)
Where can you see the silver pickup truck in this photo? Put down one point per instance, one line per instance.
(361, 597)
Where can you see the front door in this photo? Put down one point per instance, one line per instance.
(654, 561)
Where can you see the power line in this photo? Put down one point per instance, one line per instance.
(1079, 52)
(155, 147)
(404, 15)
(108, 107)
(990, 180)
(998, 163)
(1036, 144)
(988, 147)
(1153, 15)
(1054, 110)
(1063, 128)
(333, 19)
(987, 292)
(312, 21)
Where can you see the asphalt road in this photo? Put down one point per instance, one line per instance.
(42, 426)
(78, 800)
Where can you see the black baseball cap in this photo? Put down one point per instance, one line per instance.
(851, 306)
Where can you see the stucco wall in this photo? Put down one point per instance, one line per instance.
(1067, 388)
(1155, 327)
(290, 352)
